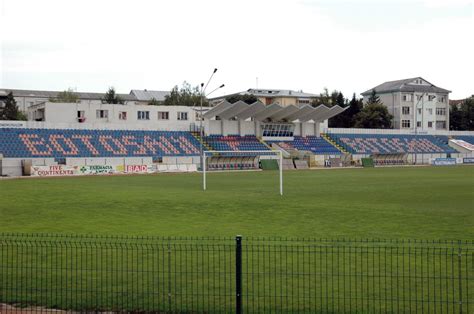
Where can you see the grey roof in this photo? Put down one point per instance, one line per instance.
(405, 86)
(279, 93)
(260, 112)
(147, 95)
(54, 94)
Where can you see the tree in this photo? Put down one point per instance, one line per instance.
(246, 98)
(184, 96)
(9, 110)
(111, 97)
(340, 120)
(67, 96)
(323, 99)
(462, 118)
(374, 116)
(374, 99)
(154, 102)
(346, 119)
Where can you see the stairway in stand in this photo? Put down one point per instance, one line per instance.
(205, 146)
(327, 138)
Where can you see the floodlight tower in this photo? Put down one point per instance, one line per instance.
(201, 116)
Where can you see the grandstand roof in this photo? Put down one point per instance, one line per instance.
(275, 112)
(406, 85)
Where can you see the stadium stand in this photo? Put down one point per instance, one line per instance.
(234, 143)
(314, 144)
(391, 143)
(62, 143)
(466, 138)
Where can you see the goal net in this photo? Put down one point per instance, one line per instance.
(239, 160)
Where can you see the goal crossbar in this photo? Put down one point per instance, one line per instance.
(237, 152)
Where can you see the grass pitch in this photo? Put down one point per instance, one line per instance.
(420, 202)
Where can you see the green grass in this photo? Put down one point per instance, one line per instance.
(421, 202)
(283, 276)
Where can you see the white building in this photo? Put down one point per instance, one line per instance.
(414, 103)
(177, 118)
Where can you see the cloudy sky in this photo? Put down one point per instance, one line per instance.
(307, 45)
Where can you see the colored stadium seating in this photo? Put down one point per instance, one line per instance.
(391, 143)
(316, 145)
(234, 143)
(31, 143)
(466, 138)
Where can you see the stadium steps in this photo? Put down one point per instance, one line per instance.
(264, 143)
(330, 140)
(200, 140)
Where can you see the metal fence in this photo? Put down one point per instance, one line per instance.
(40, 273)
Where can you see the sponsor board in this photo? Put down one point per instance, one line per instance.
(56, 170)
(468, 160)
(444, 161)
(136, 168)
(97, 169)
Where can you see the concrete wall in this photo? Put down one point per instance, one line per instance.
(65, 116)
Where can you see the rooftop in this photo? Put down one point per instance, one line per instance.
(415, 84)
(54, 94)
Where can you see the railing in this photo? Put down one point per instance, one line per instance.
(251, 275)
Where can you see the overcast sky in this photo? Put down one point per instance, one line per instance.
(307, 45)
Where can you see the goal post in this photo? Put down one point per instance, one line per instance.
(207, 153)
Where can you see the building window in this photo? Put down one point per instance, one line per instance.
(430, 110)
(80, 114)
(182, 116)
(419, 110)
(430, 124)
(405, 110)
(122, 115)
(440, 111)
(405, 123)
(163, 115)
(407, 97)
(442, 99)
(441, 124)
(418, 124)
(303, 101)
(431, 97)
(143, 115)
(102, 114)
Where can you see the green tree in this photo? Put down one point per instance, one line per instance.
(9, 110)
(246, 98)
(462, 118)
(374, 99)
(341, 120)
(373, 116)
(154, 102)
(184, 96)
(111, 97)
(323, 99)
(456, 119)
(67, 96)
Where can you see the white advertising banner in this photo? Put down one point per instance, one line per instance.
(56, 170)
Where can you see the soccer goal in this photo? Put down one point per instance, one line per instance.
(241, 153)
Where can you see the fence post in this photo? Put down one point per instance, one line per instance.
(460, 276)
(238, 274)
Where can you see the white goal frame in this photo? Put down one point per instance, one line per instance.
(210, 152)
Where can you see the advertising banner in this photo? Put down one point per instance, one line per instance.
(97, 169)
(468, 160)
(136, 168)
(444, 161)
(56, 170)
